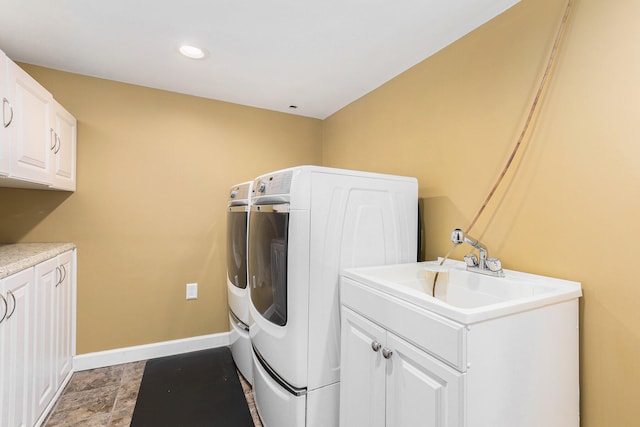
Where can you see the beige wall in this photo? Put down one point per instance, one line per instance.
(573, 208)
(154, 167)
(148, 216)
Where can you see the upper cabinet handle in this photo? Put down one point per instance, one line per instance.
(59, 143)
(387, 353)
(375, 346)
(6, 308)
(5, 122)
(13, 297)
(55, 142)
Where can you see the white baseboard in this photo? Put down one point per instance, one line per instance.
(117, 356)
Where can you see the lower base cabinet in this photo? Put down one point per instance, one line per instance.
(62, 319)
(389, 382)
(16, 297)
(403, 365)
(35, 339)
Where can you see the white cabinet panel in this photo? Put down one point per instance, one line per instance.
(62, 318)
(421, 390)
(30, 131)
(5, 116)
(63, 149)
(43, 336)
(16, 344)
(362, 383)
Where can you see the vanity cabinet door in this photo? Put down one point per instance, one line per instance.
(421, 391)
(362, 377)
(387, 382)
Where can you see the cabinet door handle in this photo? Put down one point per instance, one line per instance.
(6, 308)
(13, 297)
(55, 142)
(62, 274)
(7, 123)
(375, 346)
(387, 353)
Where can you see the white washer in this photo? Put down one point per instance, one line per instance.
(237, 289)
(306, 224)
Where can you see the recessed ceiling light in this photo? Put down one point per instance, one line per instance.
(192, 52)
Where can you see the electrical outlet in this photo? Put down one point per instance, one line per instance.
(192, 291)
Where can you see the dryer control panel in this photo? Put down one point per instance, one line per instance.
(239, 194)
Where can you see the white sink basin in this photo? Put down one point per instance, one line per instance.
(465, 296)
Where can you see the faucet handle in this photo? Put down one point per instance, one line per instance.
(471, 260)
(457, 236)
(494, 264)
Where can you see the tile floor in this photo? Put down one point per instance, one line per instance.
(106, 397)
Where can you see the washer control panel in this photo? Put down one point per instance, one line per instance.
(279, 183)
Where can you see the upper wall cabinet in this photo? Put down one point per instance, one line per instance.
(29, 132)
(63, 145)
(39, 136)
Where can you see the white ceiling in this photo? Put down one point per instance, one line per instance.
(317, 55)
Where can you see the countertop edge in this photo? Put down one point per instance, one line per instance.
(20, 256)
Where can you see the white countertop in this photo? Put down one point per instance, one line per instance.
(20, 256)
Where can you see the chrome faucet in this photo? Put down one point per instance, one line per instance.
(485, 265)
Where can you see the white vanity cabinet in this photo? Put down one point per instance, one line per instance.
(386, 381)
(37, 137)
(36, 338)
(404, 364)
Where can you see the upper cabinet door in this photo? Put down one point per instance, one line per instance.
(5, 116)
(64, 127)
(30, 132)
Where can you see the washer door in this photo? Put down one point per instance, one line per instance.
(237, 245)
(268, 241)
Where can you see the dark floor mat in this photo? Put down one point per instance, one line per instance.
(192, 390)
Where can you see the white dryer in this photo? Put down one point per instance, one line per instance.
(237, 290)
(306, 224)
